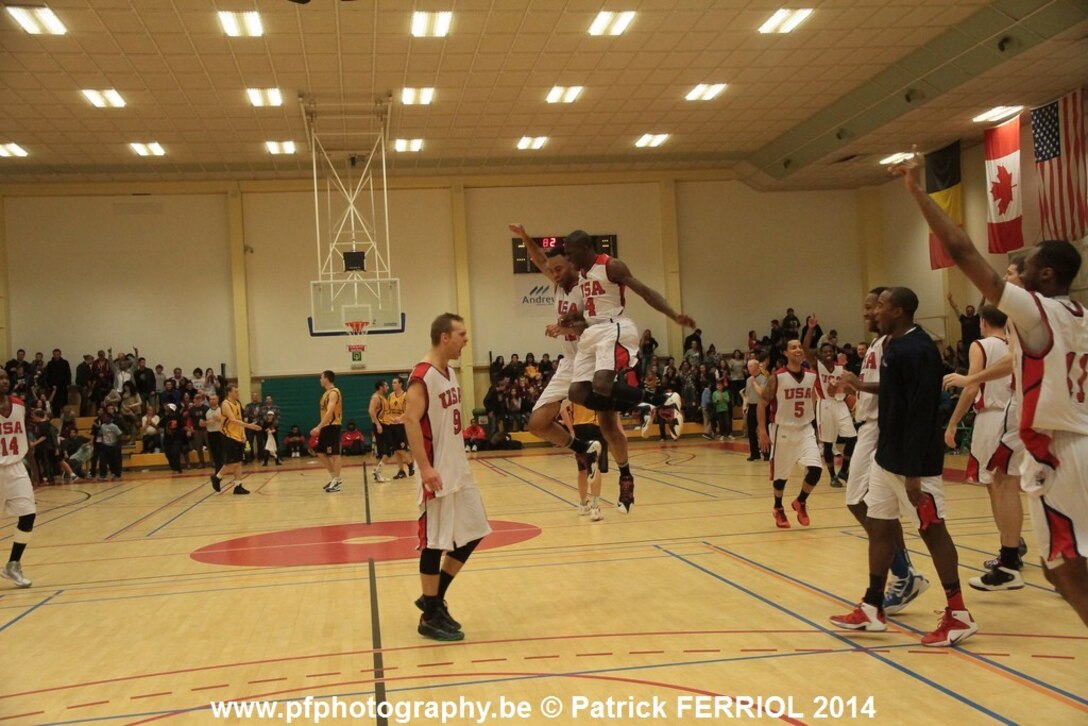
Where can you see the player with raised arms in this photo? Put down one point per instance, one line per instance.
(451, 513)
(1051, 357)
(609, 345)
(567, 327)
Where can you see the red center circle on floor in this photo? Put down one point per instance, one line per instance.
(341, 544)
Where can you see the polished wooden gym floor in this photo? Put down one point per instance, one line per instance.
(153, 597)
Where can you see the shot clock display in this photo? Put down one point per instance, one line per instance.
(605, 244)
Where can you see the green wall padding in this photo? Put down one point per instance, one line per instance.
(298, 398)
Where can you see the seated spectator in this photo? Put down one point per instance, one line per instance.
(475, 437)
(547, 368)
(531, 371)
(495, 402)
(212, 384)
(496, 369)
(112, 398)
(514, 368)
(352, 441)
(80, 458)
(131, 408)
(294, 442)
(651, 382)
(150, 432)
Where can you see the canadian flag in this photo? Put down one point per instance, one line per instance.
(1003, 185)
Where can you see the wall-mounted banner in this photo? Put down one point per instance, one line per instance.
(534, 298)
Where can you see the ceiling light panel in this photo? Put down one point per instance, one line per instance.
(108, 98)
(265, 96)
(532, 142)
(9, 150)
(37, 20)
(609, 23)
(564, 94)
(997, 113)
(150, 149)
(651, 140)
(705, 92)
(421, 96)
(280, 147)
(785, 20)
(408, 145)
(241, 24)
(896, 158)
(431, 25)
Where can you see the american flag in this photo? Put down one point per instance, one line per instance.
(1058, 132)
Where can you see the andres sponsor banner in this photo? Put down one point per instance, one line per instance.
(533, 299)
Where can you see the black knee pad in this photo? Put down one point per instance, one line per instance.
(780, 485)
(462, 553)
(430, 561)
(26, 523)
(812, 475)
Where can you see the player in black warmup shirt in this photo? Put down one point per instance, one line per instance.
(905, 478)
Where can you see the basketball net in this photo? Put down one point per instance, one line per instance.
(357, 331)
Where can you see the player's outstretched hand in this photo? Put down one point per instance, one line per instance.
(685, 320)
(764, 442)
(950, 438)
(955, 380)
(315, 431)
(553, 330)
(909, 170)
(432, 482)
(518, 229)
(811, 321)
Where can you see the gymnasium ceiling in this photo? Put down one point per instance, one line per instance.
(796, 105)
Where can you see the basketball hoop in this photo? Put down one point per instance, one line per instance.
(357, 329)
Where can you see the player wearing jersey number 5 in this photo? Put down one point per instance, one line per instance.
(609, 345)
(1051, 356)
(451, 513)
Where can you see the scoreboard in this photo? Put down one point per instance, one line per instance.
(604, 243)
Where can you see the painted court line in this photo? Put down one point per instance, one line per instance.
(23, 614)
(903, 669)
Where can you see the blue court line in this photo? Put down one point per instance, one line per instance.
(86, 505)
(182, 513)
(642, 475)
(503, 679)
(557, 480)
(153, 512)
(700, 481)
(22, 615)
(905, 626)
(534, 486)
(777, 606)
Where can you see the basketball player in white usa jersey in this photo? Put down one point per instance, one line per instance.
(1003, 571)
(15, 488)
(1051, 372)
(833, 420)
(451, 513)
(609, 345)
(568, 326)
(791, 394)
(906, 583)
(987, 399)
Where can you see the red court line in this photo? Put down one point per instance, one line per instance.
(21, 715)
(990, 654)
(535, 657)
(495, 660)
(644, 652)
(432, 665)
(930, 652)
(759, 650)
(591, 655)
(371, 651)
(1062, 657)
(84, 705)
(208, 688)
(319, 675)
(702, 650)
(497, 674)
(268, 680)
(150, 695)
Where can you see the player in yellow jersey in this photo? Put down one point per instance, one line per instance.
(327, 430)
(393, 423)
(234, 442)
(582, 424)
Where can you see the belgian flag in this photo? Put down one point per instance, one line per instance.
(943, 187)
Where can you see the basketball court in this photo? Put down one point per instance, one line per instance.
(154, 597)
